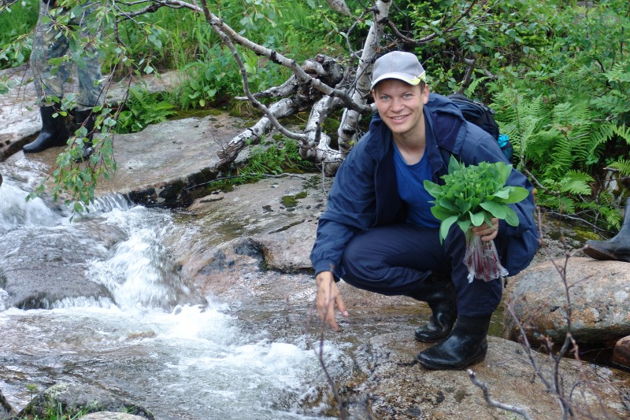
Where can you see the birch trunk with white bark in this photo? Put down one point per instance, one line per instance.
(347, 131)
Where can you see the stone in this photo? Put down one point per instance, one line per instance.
(165, 164)
(621, 352)
(599, 293)
(254, 215)
(395, 386)
(42, 266)
(110, 415)
(76, 398)
(5, 408)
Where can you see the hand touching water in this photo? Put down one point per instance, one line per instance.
(329, 298)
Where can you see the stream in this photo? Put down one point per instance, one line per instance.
(153, 342)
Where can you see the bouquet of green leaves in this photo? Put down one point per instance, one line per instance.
(473, 195)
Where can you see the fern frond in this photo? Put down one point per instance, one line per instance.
(470, 90)
(619, 73)
(622, 165)
(623, 131)
(561, 159)
(576, 182)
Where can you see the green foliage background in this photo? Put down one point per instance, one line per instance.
(557, 72)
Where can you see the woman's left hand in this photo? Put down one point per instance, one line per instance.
(487, 232)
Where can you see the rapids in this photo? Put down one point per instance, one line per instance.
(153, 343)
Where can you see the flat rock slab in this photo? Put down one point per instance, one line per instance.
(111, 415)
(160, 165)
(19, 115)
(249, 230)
(396, 387)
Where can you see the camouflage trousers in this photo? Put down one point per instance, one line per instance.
(55, 55)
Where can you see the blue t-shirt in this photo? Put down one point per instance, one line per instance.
(412, 192)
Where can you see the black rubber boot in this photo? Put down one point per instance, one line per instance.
(441, 300)
(54, 132)
(466, 345)
(615, 248)
(85, 119)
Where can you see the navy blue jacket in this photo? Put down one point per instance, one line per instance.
(365, 194)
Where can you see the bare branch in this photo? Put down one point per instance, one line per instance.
(278, 58)
(228, 41)
(287, 88)
(343, 412)
(434, 35)
(493, 403)
(349, 121)
(253, 134)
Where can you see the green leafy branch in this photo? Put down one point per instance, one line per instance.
(474, 194)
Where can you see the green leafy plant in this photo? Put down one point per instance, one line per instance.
(141, 109)
(17, 19)
(273, 157)
(474, 194)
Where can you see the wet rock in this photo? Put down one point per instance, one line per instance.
(5, 408)
(166, 163)
(396, 387)
(43, 265)
(288, 248)
(73, 399)
(110, 415)
(599, 292)
(621, 353)
(254, 222)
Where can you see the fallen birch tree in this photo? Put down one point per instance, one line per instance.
(322, 85)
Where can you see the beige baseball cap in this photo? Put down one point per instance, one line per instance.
(398, 65)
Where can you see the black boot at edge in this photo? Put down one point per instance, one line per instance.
(86, 119)
(466, 345)
(615, 248)
(441, 300)
(54, 132)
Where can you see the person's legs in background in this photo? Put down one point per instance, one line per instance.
(615, 248)
(49, 80)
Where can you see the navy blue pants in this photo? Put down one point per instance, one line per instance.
(397, 259)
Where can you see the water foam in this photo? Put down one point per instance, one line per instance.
(17, 212)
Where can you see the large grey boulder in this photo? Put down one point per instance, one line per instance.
(600, 300)
(42, 265)
(73, 399)
(164, 165)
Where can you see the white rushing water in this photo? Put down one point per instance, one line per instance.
(16, 212)
(191, 361)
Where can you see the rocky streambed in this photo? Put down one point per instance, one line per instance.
(206, 311)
